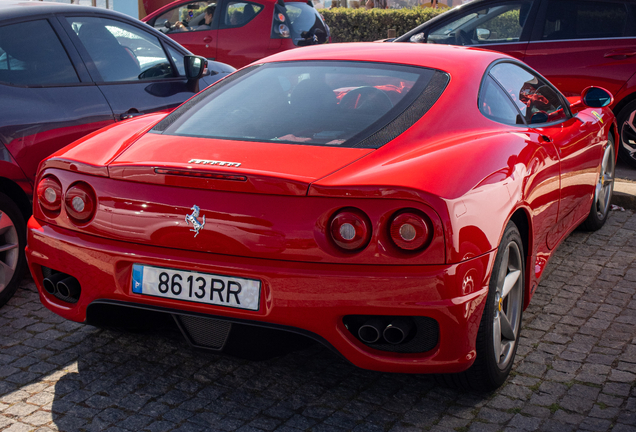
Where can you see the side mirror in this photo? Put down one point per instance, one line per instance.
(195, 67)
(482, 34)
(596, 97)
(418, 38)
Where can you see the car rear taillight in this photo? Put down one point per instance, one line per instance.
(80, 202)
(350, 229)
(50, 195)
(283, 30)
(279, 29)
(410, 230)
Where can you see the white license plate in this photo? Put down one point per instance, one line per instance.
(196, 287)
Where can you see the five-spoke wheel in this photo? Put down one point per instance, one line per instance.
(604, 189)
(12, 243)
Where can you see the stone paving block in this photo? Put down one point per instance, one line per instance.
(575, 368)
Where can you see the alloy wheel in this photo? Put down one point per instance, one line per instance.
(508, 298)
(628, 136)
(605, 184)
(9, 250)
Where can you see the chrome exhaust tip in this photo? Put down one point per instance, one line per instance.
(396, 332)
(69, 288)
(50, 283)
(370, 331)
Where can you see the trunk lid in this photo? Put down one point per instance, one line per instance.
(226, 165)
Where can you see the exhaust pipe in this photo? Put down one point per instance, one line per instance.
(50, 283)
(396, 332)
(370, 331)
(69, 288)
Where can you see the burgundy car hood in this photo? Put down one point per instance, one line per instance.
(240, 166)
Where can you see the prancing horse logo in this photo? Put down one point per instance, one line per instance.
(192, 219)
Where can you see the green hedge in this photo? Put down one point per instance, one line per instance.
(362, 25)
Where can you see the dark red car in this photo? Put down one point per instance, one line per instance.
(66, 71)
(240, 32)
(573, 43)
(384, 199)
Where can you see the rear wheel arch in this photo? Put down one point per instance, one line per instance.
(17, 195)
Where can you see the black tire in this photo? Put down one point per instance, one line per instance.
(12, 244)
(601, 203)
(489, 370)
(626, 120)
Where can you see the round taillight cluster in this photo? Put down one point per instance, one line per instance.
(49, 195)
(283, 30)
(350, 229)
(80, 202)
(410, 230)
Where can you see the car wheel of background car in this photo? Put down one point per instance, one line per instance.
(627, 129)
(604, 188)
(12, 244)
(498, 335)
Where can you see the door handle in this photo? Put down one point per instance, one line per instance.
(207, 39)
(130, 114)
(620, 53)
(545, 139)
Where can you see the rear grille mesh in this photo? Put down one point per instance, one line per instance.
(205, 333)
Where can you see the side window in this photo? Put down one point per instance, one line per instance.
(496, 24)
(193, 16)
(32, 55)
(537, 101)
(239, 13)
(579, 19)
(121, 52)
(177, 59)
(496, 105)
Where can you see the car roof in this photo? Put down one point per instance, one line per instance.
(456, 60)
(20, 8)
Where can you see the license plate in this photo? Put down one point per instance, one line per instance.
(196, 287)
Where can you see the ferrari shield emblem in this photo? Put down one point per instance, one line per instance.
(192, 219)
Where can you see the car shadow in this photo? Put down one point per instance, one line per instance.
(128, 378)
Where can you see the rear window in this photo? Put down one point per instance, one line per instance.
(312, 103)
(306, 25)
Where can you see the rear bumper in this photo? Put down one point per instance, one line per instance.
(311, 297)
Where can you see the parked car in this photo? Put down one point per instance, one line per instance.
(573, 43)
(240, 31)
(66, 71)
(398, 204)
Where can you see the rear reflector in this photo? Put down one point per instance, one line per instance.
(200, 174)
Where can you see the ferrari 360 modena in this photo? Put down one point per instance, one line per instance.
(398, 204)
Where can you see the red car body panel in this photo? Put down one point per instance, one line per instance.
(237, 46)
(273, 227)
(582, 62)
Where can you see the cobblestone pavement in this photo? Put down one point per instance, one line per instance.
(576, 368)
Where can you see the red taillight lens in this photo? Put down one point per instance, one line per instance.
(350, 229)
(410, 231)
(80, 202)
(50, 194)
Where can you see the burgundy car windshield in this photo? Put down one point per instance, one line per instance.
(314, 103)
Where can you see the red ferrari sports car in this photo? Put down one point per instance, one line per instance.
(397, 203)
